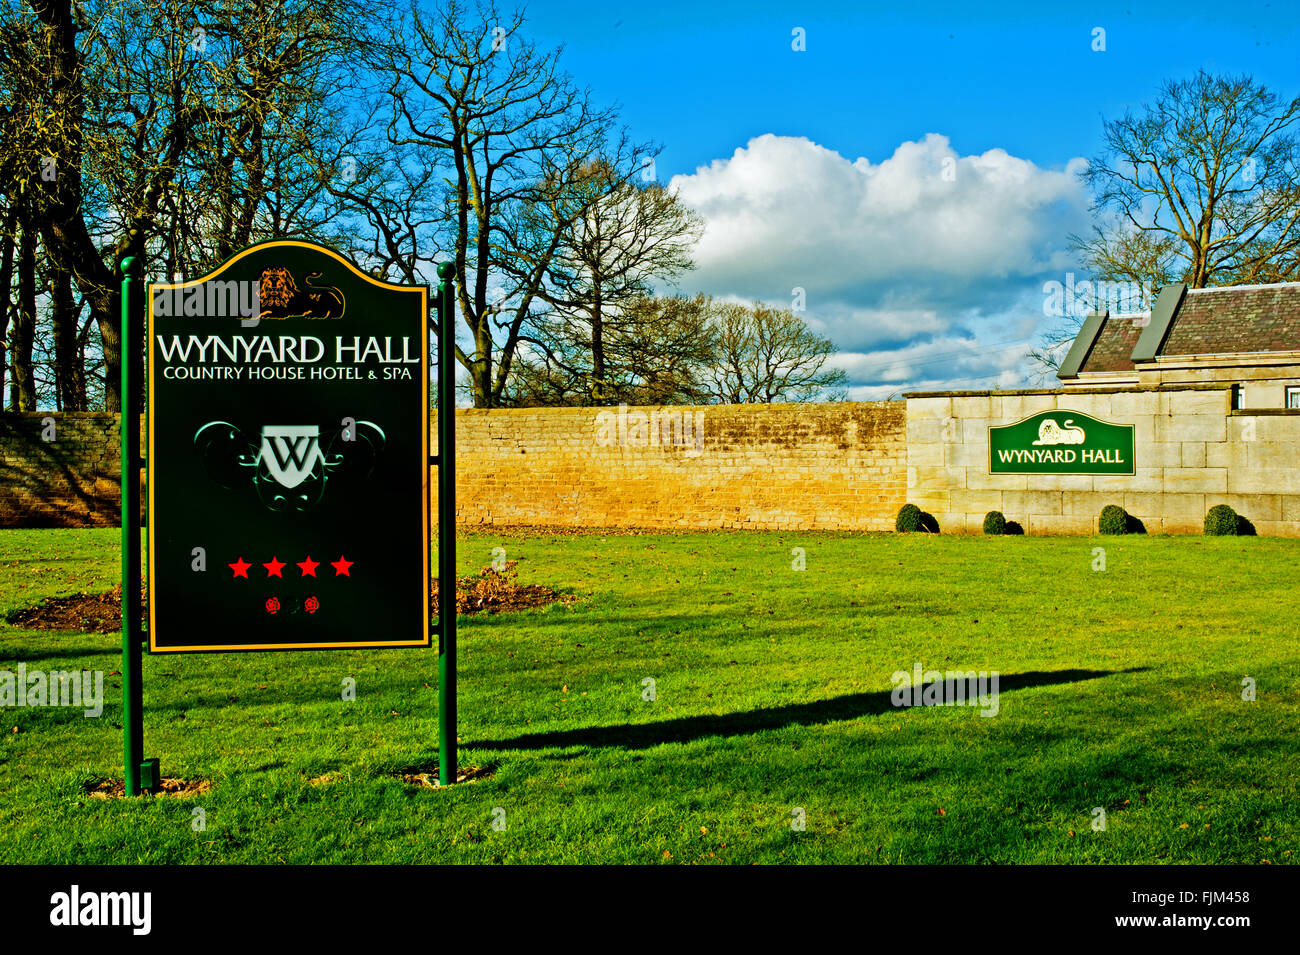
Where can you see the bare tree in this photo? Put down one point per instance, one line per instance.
(1210, 175)
(178, 131)
(629, 235)
(655, 351)
(1200, 186)
(771, 355)
(512, 129)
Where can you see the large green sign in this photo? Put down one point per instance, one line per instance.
(1061, 442)
(288, 456)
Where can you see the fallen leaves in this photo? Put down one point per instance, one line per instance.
(495, 591)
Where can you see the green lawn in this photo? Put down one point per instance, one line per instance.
(1120, 689)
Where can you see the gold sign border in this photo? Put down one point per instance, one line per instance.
(423, 291)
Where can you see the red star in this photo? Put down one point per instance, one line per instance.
(308, 566)
(240, 567)
(341, 566)
(274, 567)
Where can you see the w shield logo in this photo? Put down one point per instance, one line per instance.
(291, 464)
(290, 453)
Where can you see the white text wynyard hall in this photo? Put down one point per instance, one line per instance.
(250, 357)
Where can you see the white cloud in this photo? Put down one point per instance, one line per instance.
(924, 248)
(789, 204)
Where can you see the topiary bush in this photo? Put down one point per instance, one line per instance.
(995, 523)
(1113, 520)
(1221, 520)
(911, 518)
(908, 520)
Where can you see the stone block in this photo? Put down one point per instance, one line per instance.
(968, 455)
(1277, 528)
(1264, 481)
(973, 431)
(1096, 405)
(974, 406)
(1087, 503)
(1271, 454)
(1255, 507)
(1179, 403)
(1058, 524)
(1193, 454)
(1191, 427)
(1158, 454)
(1062, 482)
(925, 454)
(980, 480)
(1146, 479)
(923, 409)
(1032, 502)
(975, 502)
(928, 431)
(1179, 507)
(1126, 407)
(1196, 480)
(1018, 407)
(1225, 454)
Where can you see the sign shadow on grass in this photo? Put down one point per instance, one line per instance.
(685, 729)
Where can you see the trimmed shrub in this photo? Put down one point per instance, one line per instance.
(908, 520)
(1113, 520)
(911, 519)
(995, 523)
(1221, 520)
(1014, 528)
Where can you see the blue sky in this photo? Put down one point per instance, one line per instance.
(832, 189)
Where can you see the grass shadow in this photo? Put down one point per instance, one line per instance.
(688, 728)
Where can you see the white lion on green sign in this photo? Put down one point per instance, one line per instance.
(1049, 432)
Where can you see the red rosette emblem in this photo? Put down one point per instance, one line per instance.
(273, 605)
(311, 604)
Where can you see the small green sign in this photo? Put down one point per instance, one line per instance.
(1061, 442)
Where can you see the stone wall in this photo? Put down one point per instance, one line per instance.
(1191, 451)
(832, 466)
(799, 466)
(827, 466)
(70, 480)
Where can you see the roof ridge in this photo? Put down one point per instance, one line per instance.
(1242, 288)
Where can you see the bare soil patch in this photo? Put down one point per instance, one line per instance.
(426, 777)
(170, 786)
(88, 613)
(488, 591)
(492, 591)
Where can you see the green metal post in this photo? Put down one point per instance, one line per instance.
(446, 526)
(129, 424)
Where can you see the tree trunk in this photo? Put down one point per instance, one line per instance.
(6, 289)
(22, 391)
(70, 379)
(110, 338)
(599, 390)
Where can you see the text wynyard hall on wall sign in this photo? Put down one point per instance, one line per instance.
(288, 456)
(1061, 442)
